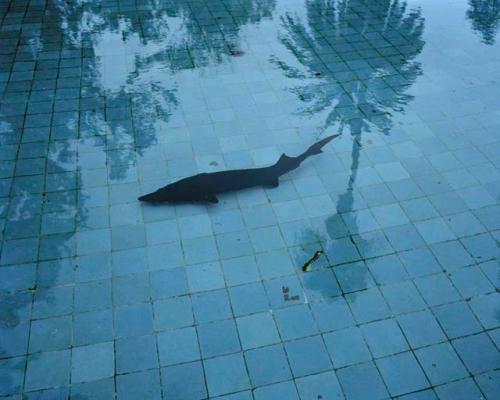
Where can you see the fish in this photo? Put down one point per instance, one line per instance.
(205, 187)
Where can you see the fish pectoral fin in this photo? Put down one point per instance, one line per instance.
(211, 199)
(273, 183)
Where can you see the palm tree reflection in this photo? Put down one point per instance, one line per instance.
(484, 16)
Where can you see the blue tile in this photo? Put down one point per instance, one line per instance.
(384, 338)
(129, 359)
(161, 232)
(367, 305)
(14, 338)
(226, 374)
(451, 255)
(457, 319)
(46, 370)
(308, 356)
(199, 250)
(267, 365)
(284, 292)
(93, 327)
(404, 237)
(92, 296)
(485, 309)
(346, 347)
(421, 329)
(136, 320)
(320, 284)
(228, 221)
(211, 306)
(419, 262)
(173, 313)
(320, 386)
(389, 215)
(206, 276)
(353, 277)
(481, 247)
(440, 363)
(94, 362)
(402, 374)
(437, 289)
(295, 322)
(240, 270)
(362, 382)
(342, 251)
(434, 230)
(98, 390)
(53, 302)
(248, 299)
(387, 269)
(12, 373)
(332, 314)
(178, 346)
(459, 390)
(50, 334)
(140, 385)
(184, 382)
(218, 338)
(168, 283)
(489, 383)
(275, 264)
(257, 330)
(166, 256)
(478, 353)
(266, 239)
(283, 390)
(403, 297)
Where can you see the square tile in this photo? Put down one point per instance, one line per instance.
(421, 329)
(46, 370)
(457, 319)
(320, 284)
(168, 283)
(403, 297)
(308, 356)
(471, 282)
(184, 381)
(98, 390)
(353, 277)
(419, 262)
(241, 270)
(247, 299)
(484, 307)
(478, 353)
(459, 390)
(367, 305)
(257, 330)
(440, 363)
(320, 386)
(332, 314)
(93, 327)
(94, 362)
(347, 347)
(226, 374)
(178, 346)
(136, 354)
(131, 289)
(139, 385)
(362, 382)
(207, 276)
(267, 365)
(437, 289)
(384, 338)
(92, 296)
(451, 255)
(12, 374)
(402, 374)
(284, 292)
(173, 313)
(295, 322)
(211, 306)
(283, 390)
(218, 338)
(50, 334)
(136, 320)
(434, 230)
(275, 263)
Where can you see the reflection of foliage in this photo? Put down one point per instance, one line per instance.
(359, 58)
(355, 64)
(485, 18)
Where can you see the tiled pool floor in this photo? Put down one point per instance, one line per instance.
(103, 296)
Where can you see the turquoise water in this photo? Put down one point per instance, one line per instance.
(104, 297)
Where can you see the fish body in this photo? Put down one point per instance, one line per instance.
(204, 187)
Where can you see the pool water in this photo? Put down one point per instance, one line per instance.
(370, 272)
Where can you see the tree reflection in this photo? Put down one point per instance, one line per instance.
(484, 16)
(356, 61)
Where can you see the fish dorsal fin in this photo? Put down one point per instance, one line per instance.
(284, 158)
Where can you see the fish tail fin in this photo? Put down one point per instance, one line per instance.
(316, 147)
